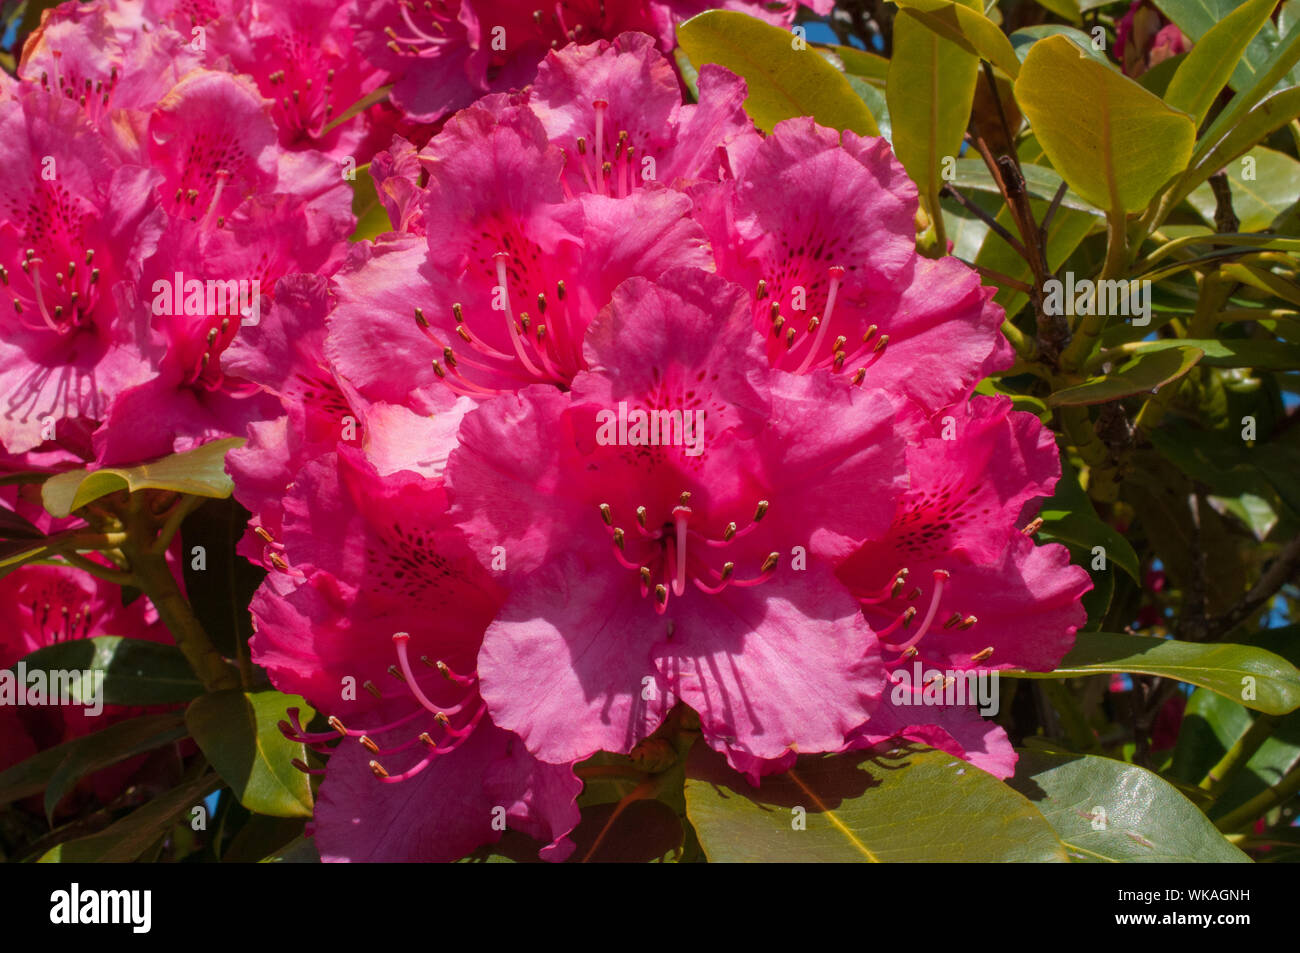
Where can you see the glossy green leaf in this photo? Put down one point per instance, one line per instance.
(783, 81)
(1232, 671)
(1097, 126)
(1233, 352)
(916, 805)
(930, 90)
(1279, 64)
(238, 734)
(124, 739)
(965, 25)
(1040, 182)
(135, 671)
(870, 66)
(1107, 811)
(1215, 56)
(1147, 372)
(128, 838)
(1262, 121)
(1023, 40)
(199, 472)
(1199, 19)
(1263, 188)
(115, 743)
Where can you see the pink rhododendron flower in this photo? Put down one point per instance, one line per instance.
(446, 54)
(675, 591)
(367, 557)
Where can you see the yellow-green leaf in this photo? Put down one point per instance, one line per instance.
(1147, 372)
(199, 472)
(1114, 142)
(930, 89)
(1206, 69)
(783, 81)
(966, 25)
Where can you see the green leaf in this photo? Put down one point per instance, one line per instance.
(930, 90)
(239, 735)
(372, 217)
(1023, 40)
(916, 805)
(115, 743)
(1233, 352)
(1199, 20)
(128, 737)
(1277, 66)
(1040, 182)
(1066, 9)
(1216, 56)
(1147, 372)
(135, 671)
(870, 66)
(127, 839)
(199, 472)
(301, 850)
(1262, 121)
(1224, 668)
(965, 25)
(1097, 126)
(783, 81)
(1273, 187)
(1107, 811)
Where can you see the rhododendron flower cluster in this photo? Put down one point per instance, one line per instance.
(633, 408)
(635, 415)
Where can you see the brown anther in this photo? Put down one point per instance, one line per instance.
(882, 343)
(276, 559)
(728, 569)
(729, 532)
(859, 375)
(770, 562)
(372, 688)
(443, 669)
(582, 145)
(870, 331)
(458, 313)
(645, 575)
(266, 537)
(449, 356)
(762, 290)
(908, 615)
(789, 337)
(464, 335)
(761, 510)
(420, 318)
(661, 594)
(777, 325)
(900, 579)
(685, 498)
(368, 744)
(640, 515)
(606, 514)
(1033, 527)
(914, 594)
(967, 622)
(337, 725)
(437, 369)
(954, 620)
(427, 740)
(396, 672)
(813, 323)
(376, 768)
(442, 719)
(983, 655)
(618, 538)
(912, 652)
(541, 302)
